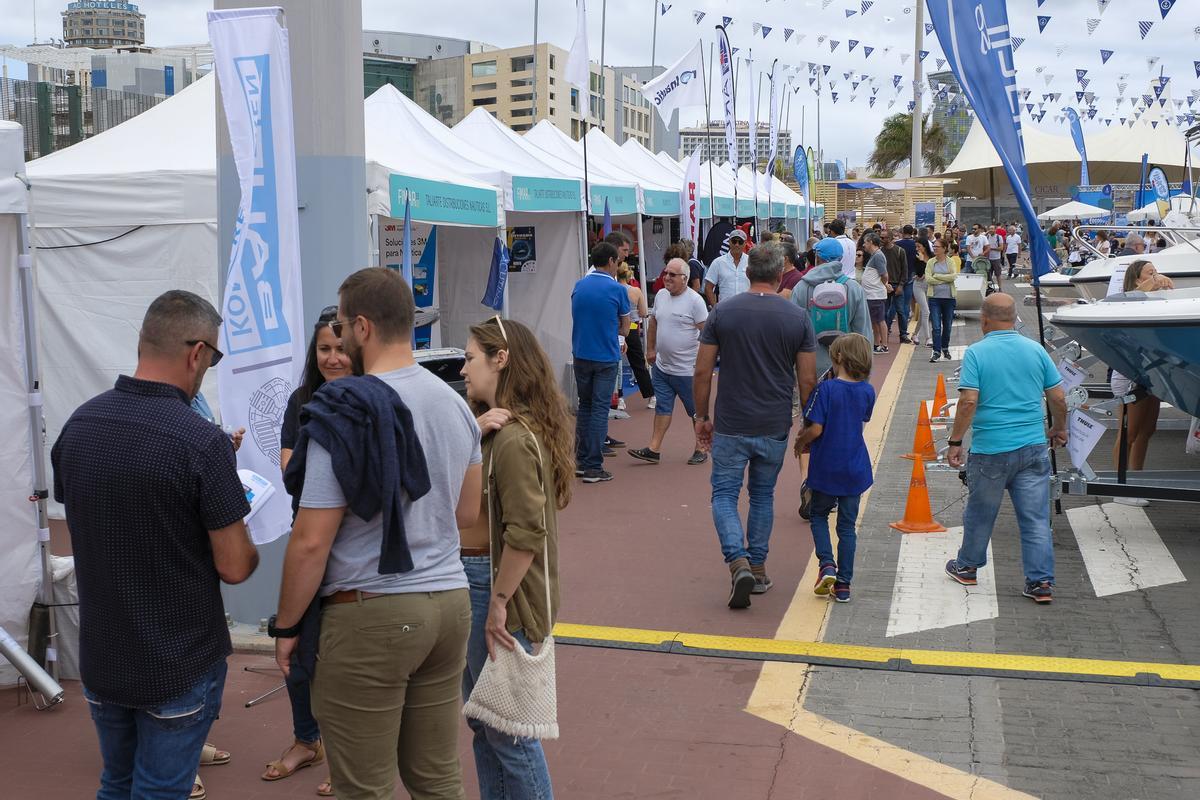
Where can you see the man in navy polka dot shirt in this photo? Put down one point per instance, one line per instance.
(155, 509)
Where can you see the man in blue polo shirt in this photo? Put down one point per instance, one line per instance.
(1003, 381)
(600, 322)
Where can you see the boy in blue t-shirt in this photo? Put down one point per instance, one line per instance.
(839, 469)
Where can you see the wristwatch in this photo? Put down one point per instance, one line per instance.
(954, 442)
(699, 418)
(282, 633)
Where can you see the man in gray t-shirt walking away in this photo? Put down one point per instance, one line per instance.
(767, 346)
(393, 642)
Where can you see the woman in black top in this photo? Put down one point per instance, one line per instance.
(326, 361)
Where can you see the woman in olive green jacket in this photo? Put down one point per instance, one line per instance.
(511, 555)
(940, 273)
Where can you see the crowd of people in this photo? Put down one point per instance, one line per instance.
(425, 538)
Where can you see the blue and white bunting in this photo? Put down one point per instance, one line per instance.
(698, 16)
(766, 30)
(866, 6)
(664, 8)
(1165, 6)
(1105, 55)
(1044, 21)
(1144, 26)
(867, 51)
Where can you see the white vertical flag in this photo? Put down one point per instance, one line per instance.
(689, 201)
(726, 60)
(774, 122)
(579, 69)
(753, 118)
(263, 329)
(680, 85)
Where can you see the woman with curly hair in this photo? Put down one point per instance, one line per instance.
(511, 554)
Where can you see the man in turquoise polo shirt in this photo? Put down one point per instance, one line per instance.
(1004, 378)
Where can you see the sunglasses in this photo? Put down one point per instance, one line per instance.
(336, 325)
(217, 354)
(674, 274)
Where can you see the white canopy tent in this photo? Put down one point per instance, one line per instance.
(20, 568)
(612, 186)
(1074, 210)
(1114, 156)
(1180, 203)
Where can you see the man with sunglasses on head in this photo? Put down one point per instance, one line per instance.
(385, 470)
(155, 509)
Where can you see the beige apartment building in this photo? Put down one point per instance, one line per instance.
(502, 82)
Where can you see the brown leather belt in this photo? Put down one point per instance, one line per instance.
(474, 552)
(350, 596)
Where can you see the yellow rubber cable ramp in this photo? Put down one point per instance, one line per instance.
(895, 659)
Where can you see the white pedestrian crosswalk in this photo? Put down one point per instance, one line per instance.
(925, 598)
(1121, 549)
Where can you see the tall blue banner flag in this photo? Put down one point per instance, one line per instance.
(493, 296)
(1077, 137)
(978, 44)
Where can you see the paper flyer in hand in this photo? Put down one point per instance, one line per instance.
(258, 490)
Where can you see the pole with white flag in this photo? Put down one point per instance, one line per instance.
(689, 201)
(263, 329)
(773, 150)
(579, 72)
(729, 96)
(755, 97)
(712, 197)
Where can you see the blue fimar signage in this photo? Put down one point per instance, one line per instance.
(432, 201)
(101, 5)
(621, 199)
(547, 194)
(661, 204)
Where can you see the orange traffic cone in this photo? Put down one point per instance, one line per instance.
(918, 517)
(923, 439)
(939, 395)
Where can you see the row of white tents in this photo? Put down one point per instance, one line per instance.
(123, 216)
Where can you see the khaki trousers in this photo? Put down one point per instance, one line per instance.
(387, 691)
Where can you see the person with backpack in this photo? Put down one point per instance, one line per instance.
(835, 303)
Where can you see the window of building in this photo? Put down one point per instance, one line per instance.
(484, 87)
(574, 129)
(552, 111)
(483, 101)
(625, 93)
(522, 63)
(552, 95)
(552, 77)
(521, 112)
(522, 98)
(519, 82)
(482, 69)
(522, 127)
(574, 99)
(552, 63)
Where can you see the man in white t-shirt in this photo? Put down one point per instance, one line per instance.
(995, 254)
(672, 342)
(1012, 249)
(977, 243)
(849, 249)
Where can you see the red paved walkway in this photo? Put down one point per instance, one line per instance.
(639, 552)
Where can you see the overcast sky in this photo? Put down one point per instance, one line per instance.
(848, 127)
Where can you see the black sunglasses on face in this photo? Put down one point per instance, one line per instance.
(217, 354)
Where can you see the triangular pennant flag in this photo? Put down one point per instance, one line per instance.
(1144, 26)
(787, 33)
(1154, 124)
(1044, 21)
(847, 75)
(766, 30)
(1080, 74)
(928, 28)
(1163, 80)
(826, 4)
(1090, 97)
(1084, 83)
(911, 106)
(874, 90)
(1158, 89)
(726, 21)
(1107, 123)
(833, 45)
(853, 43)
(821, 39)
(1162, 102)
(891, 103)
(887, 49)
(1040, 2)
(1150, 62)
(665, 9)
(870, 102)
(826, 68)
(1105, 55)
(757, 28)
(866, 6)
(850, 12)
(854, 84)
(1165, 6)
(1079, 97)
(1196, 64)
(734, 51)
(923, 54)
(941, 62)
(867, 51)
(1102, 4)
(1091, 113)
(834, 96)
(1017, 42)
(1148, 99)
(698, 15)
(896, 81)
(1092, 24)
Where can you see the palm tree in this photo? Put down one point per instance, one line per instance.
(893, 145)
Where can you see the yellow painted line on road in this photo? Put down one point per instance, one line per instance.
(953, 659)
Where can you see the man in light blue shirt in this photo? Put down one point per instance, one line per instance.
(1003, 381)
(727, 273)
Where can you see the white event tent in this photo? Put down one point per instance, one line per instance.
(1074, 210)
(20, 569)
(1179, 203)
(617, 188)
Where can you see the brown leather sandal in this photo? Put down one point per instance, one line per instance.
(210, 756)
(282, 771)
(198, 792)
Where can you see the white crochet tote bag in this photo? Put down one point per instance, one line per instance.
(517, 694)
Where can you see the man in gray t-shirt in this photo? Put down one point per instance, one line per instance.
(767, 347)
(392, 646)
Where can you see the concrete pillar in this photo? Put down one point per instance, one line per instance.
(325, 46)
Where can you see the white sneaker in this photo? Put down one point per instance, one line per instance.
(1139, 502)
(621, 404)
(651, 403)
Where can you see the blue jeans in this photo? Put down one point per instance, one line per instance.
(594, 382)
(731, 455)
(304, 724)
(667, 388)
(509, 768)
(898, 305)
(941, 319)
(152, 754)
(847, 508)
(1025, 472)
